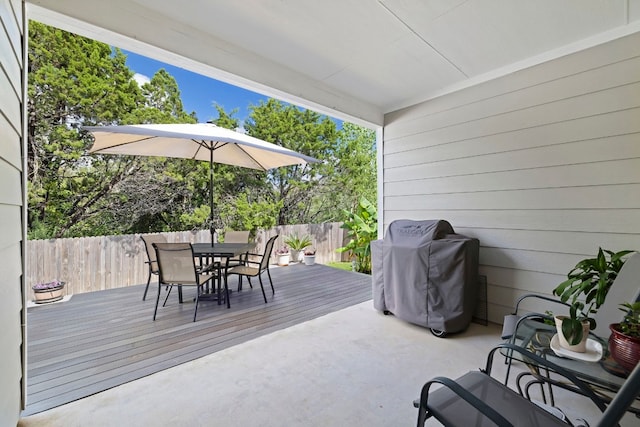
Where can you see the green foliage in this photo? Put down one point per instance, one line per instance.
(355, 171)
(586, 288)
(195, 219)
(362, 226)
(346, 266)
(74, 81)
(244, 213)
(297, 243)
(630, 325)
(297, 189)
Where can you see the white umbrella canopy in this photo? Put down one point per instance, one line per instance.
(194, 141)
(200, 141)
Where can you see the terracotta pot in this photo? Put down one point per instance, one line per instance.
(624, 349)
(581, 347)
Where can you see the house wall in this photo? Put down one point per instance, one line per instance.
(11, 210)
(542, 165)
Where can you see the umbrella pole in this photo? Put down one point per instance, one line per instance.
(213, 228)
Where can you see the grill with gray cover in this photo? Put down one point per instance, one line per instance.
(424, 273)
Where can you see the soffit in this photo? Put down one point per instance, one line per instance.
(353, 59)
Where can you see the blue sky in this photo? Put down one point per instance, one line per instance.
(199, 93)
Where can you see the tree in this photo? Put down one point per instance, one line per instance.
(304, 131)
(299, 194)
(162, 101)
(237, 193)
(352, 170)
(72, 81)
(165, 194)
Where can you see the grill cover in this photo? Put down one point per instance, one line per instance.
(425, 273)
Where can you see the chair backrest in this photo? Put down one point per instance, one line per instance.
(236, 236)
(268, 248)
(626, 288)
(149, 240)
(627, 394)
(176, 263)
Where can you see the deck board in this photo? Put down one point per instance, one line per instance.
(103, 339)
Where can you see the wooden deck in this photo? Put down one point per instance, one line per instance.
(100, 340)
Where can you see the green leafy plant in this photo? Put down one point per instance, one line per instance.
(362, 228)
(630, 324)
(586, 288)
(549, 319)
(297, 243)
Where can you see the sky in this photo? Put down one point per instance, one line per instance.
(199, 93)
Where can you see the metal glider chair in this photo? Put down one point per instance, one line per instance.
(176, 266)
(477, 399)
(256, 268)
(512, 323)
(151, 256)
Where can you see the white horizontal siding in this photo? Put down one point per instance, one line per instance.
(9, 99)
(10, 149)
(597, 197)
(601, 221)
(566, 242)
(603, 55)
(11, 214)
(619, 123)
(542, 166)
(616, 171)
(601, 82)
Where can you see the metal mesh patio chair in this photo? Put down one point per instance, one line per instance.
(176, 266)
(233, 236)
(256, 268)
(236, 237)
(151, 256)
(478, 399)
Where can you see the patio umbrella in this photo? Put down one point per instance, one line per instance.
(201, 141)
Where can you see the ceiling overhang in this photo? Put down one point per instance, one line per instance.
(351, 59)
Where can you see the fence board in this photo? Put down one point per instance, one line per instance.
(88, 264)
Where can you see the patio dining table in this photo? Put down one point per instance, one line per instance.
(207, 253)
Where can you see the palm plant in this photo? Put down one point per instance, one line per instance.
(297, 243)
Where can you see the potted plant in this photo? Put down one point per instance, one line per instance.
(297, 245)
(624, 342)
(309, 256)
(48, 292)
(585, 290)
(282, 255)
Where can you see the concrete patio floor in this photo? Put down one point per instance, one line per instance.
(349, 368)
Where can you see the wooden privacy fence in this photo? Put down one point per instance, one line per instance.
(88, 264)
